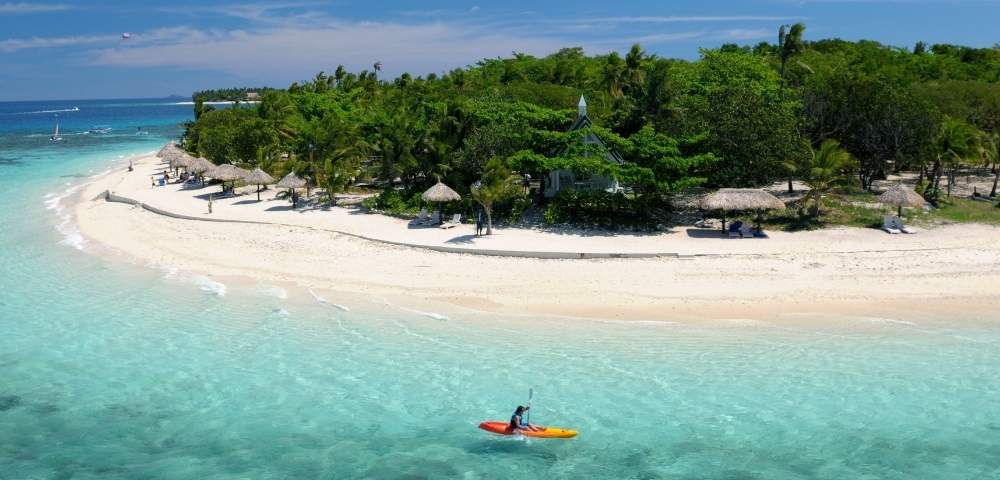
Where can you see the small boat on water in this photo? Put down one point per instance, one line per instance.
(55, 135)
(503, 428)
(100, 129)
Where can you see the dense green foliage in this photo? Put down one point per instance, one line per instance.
(737, 117)
(227, 94)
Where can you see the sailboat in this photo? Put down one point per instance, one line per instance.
(55, 135)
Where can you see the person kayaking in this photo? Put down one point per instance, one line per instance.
(517, 423)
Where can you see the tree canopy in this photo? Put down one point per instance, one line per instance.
(736, 117)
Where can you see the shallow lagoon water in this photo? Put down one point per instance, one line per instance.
(112, 370)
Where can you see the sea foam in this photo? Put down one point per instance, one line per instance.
(209, 286)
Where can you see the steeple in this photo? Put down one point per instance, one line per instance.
(583, 107)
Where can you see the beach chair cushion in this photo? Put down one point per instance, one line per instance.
(898, 225)
(421, 217)
(889, 225)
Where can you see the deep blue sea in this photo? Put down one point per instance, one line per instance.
(110, 369)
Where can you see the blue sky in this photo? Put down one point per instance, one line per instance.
(74, 50)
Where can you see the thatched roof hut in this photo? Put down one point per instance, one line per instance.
(730, 199)
(291, 181)
(901, 196)
(440, 193)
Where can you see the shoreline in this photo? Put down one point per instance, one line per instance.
(947, 268)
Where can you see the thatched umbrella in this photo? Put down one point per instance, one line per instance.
(178, 159)
(227, 173)
(291, 182)
(200, 165)
(901, 196)
(258, 177)
(167, 150)
(729, 199)
(440, 193)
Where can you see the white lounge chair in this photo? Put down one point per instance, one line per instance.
(898, 223)
(455, 221)
(421, 218)
(889, 225)
(746, 231)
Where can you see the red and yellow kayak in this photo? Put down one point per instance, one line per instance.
(539, 432)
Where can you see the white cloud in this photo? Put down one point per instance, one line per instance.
(15, 8)
(687, 19)
(299, 52)
(15, 44)
(151, 37)
(746, 34)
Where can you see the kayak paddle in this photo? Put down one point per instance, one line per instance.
(531, 394)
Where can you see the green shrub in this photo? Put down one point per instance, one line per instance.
(395, 202)
(606, 210)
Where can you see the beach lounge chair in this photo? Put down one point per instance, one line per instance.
(898, 223)
(889, 225)
(434, 219)
(746, 231)
(421, 218)
(455, 221)
(734, 229)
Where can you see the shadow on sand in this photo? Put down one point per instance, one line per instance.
(463, 239)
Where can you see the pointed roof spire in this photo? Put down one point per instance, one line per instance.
(583, 106)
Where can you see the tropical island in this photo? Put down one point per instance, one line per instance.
(742, 117)
(812, 149)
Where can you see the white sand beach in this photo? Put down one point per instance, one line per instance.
(701, 274)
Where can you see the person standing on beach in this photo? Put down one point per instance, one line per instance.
(480, 221)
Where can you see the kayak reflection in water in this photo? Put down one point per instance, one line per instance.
(517, 423)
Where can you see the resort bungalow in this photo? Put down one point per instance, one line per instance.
(559, 180)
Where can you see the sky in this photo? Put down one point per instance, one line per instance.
(75, 50)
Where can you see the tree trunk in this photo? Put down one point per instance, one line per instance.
(790, 189)
(951, 179)
(993, 193)
(489, 221)
(935, 177)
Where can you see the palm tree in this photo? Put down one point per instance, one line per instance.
(635, 75)
(339, 74)
(496, 186)
(613, 74)
(955, 142)
(378, 68)
(790, 43)
(991, 154)
(824, 169)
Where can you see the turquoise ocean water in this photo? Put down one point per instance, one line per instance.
(114, 370)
